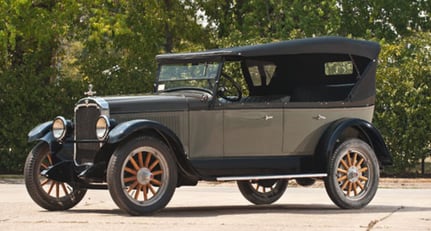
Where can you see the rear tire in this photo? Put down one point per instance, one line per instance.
(353, 175)
(142, 176)
(262, 192)
(47, 193)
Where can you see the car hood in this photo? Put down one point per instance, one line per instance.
(149, 103)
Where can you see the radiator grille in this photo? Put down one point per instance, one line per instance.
(85, 133)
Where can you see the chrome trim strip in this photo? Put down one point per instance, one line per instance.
(272, 177)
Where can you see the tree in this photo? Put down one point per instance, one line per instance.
(404, 99)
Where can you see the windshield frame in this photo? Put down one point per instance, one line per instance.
(160, 84)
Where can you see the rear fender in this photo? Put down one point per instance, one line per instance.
(337, 132)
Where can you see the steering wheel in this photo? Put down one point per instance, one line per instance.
(229, 89)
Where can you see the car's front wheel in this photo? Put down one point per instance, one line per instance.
(47, 193)
(142, 176)
(353, 175)
(261, 192)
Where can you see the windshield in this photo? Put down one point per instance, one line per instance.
(187, 75)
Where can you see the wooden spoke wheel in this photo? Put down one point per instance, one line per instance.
(353, 175)
(261, 192)
(142, 176)
(48, 193)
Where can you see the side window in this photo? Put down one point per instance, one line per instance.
(256, 79)
(233, 69)
(339, 68)
(261, 72)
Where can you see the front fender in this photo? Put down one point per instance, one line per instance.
(41, 132)
(332, 135)
(125, 129)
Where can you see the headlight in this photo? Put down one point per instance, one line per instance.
(102, 127)
(59, 128)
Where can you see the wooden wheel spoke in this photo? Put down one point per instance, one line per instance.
(135, 165)
(344, 185)
(363, 169)
(44, 166)
(342, 170)
(153, 191)
(128, 179)
(344, 164)
(51, 187)
(358, 165)
(137, 192)
(63, 186)
(44, 182)
(145, 190)
(57, 189)
(350, 188)
(147, 160)
(344, 177)
(129, 170)
(354, 188)
(49, 159)
(355, 159)
(349, 159)
(132, 186)
(257, 187)
(140, 160)
(363, 178)
(360, 185)
(154, 164)
(155, 173)
(156, 182)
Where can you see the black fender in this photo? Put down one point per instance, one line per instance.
(337, 131)
(128, 129)
(60, 151)
(41, 132)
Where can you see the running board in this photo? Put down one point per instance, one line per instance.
(272, 177)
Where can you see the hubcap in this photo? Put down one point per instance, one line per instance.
(353, 174)
(144, 176)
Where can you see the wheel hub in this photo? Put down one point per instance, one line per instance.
(353, 174)
(144, 176)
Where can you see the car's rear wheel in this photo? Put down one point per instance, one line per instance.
(262, 192)
(142, 176)
(353, 175)
(47, 193)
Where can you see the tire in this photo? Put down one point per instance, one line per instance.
(353, 175)
(142, 176)
(262, 192)
(47, 193)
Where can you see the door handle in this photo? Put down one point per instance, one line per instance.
(268, 117)
(319, 117)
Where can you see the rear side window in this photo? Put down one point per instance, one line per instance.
(339, 68)
(261, 72)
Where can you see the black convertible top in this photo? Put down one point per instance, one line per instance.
(328, 45)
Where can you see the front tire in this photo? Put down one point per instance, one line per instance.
(262, 192)
(353, 175)
(142, 176)
(47, 193)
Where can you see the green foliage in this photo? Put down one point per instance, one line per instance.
(404, 99)
(51, 50)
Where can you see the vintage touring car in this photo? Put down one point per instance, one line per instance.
(259, 115)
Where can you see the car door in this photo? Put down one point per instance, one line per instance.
(252, 132)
